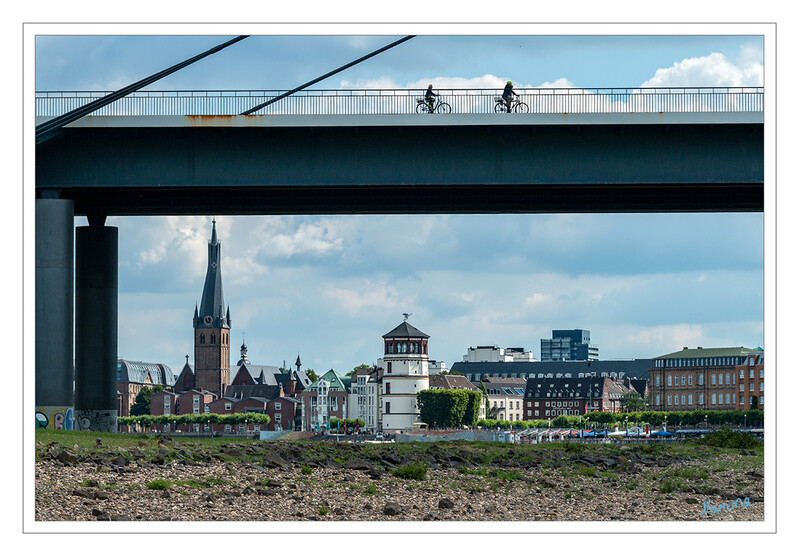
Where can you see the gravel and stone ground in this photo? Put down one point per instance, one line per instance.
(169, 480)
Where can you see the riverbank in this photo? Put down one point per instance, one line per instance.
(138, 478)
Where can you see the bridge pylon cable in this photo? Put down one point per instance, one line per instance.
(325, 76)
(45, 130)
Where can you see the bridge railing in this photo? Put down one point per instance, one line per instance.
(403, 101)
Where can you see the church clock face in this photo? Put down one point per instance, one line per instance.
(208, 319)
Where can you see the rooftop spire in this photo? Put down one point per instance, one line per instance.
(211, 312)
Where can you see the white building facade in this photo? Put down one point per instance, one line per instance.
(405, 374)
(494, 354)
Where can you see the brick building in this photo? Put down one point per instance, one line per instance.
(132, 376)
(546, 398)
(706, 378)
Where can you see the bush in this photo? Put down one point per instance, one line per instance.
(306, 469)
(416, 471)
(727, 438)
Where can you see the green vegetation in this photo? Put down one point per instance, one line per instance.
(416, 471)
(306, 469)
(324, 510)
(159, 484)
(141, 404)
(449, 408)
(195, 419)
(604, 419)
(727, 438)
(370, 490)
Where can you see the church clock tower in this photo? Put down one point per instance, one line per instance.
(212, 328)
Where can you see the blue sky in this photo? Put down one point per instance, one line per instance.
(324, 287)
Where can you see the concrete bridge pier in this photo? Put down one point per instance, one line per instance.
(54, 313)
(96, 313)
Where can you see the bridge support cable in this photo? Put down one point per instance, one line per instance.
(46, 130)
(325, 76)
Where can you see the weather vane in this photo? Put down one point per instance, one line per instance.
(406, 315)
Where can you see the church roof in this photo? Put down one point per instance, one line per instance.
(140, 372)
(405, 330)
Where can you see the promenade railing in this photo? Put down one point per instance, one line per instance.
(403, 101)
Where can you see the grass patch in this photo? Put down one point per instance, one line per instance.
(691, 473)
(159, 484)
(306, 469)
(370, 490)
(324, 510)
(728, 438)
(416, 471)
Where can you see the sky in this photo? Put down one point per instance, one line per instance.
(324, 287)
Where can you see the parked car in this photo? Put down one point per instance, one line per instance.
(379, 436)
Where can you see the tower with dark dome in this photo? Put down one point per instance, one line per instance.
(212, 327)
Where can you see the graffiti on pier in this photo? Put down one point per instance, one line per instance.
(54, 418)
(96, 420)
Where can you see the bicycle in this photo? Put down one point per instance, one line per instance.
(423, 108)
(516, 105)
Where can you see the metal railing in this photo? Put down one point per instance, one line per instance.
(403, 101)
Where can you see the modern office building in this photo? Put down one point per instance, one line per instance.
(569, 345)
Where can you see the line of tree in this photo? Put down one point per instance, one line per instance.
(606, 419)
(449, 408)
(195, 419)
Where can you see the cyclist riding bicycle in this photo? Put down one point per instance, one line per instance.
(429, 97)
(507, 94)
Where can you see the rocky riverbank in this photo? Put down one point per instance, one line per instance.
(169, 480)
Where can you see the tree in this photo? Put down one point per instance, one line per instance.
(632, 401)
(141, 405)
(361, 367)
(311, 375)
(445, 408)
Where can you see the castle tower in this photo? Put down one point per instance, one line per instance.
(212, 327)
(405, 374)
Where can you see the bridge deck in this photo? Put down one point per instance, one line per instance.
(391, 120)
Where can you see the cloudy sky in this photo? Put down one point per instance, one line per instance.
(325, 287)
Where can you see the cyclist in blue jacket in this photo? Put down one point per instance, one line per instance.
(507, 94)
(429, 97)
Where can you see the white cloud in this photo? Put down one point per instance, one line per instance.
(714, 70)
(368, 295)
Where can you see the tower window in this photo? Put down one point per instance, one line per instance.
(202, 338)
(213, 339)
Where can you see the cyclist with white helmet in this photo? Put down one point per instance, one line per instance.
(507, 94)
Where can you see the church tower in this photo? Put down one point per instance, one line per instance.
(212, 327)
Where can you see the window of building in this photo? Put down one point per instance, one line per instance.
(682, 399)
(727, 379)
(388, 388)
(761, 400)
(751, 373)
(751, 386)
(388, 367)
(712, 379)
(388, 407)
(228, 406)
(690, 380)
(761, 387)
(657, 380)
(701, 379)
(668, 380)
(278, 406)
(761, 373)
(196, 399)
(668, 399)
(727, 398)
(701, 399)
(228, 428)
(741, 374)
(682, 380)
(690, 399)
(657, 399)
(713, 399)
(196, 410)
